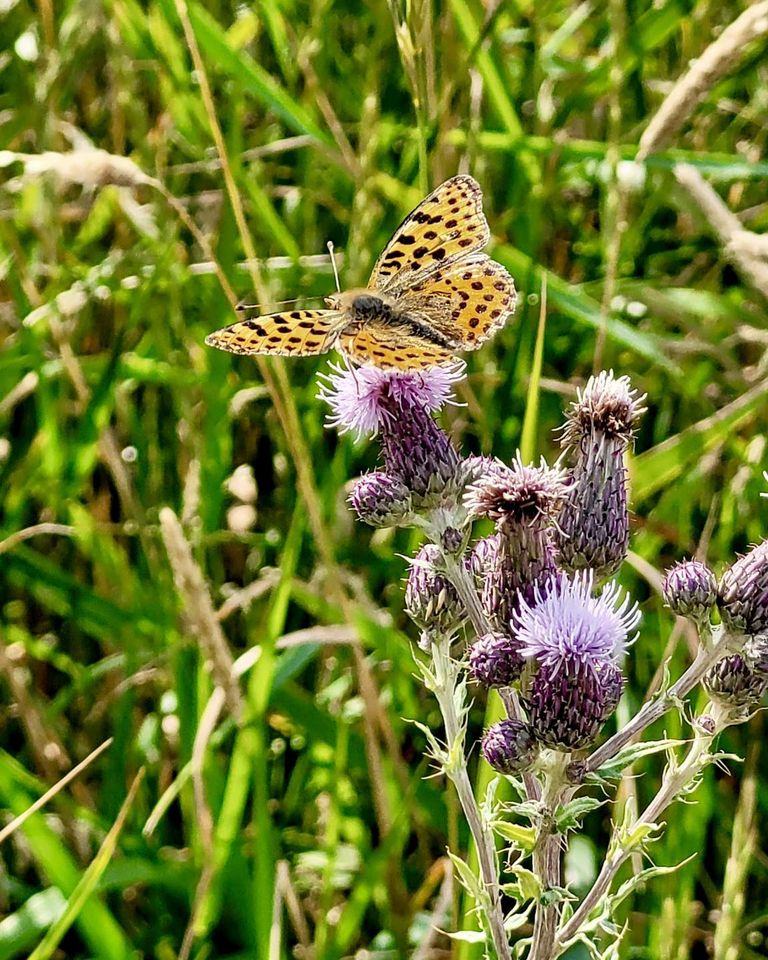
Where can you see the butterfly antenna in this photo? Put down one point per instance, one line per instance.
(257, 306)
(333, 264)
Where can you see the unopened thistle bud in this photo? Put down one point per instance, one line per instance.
(494, 660)
(522, 501)
(509, 746)
(690, 590)
(593, 528)
(430, 599)
(576, 642)
(732, 682)
(744, 592)
(381, 500)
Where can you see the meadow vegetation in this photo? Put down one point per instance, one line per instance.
(173, 517)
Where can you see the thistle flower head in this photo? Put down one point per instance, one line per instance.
(607, 407)
(381, 500)
(494, 660)
(509, 746)
(363, 400)
(516, 494)
(744, 592)
(567, 625)
(568, 704)
(690, 590)
(593, 527)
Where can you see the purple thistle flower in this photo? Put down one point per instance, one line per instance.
(577, 642)
(494, 660)
(431, 600)
(734, 683)
(744, 592)
(690, 590)
(522, 501)
(566, 624)
(366, 399)
(509, 746)
(398, 407)
(593, 528)
(381, 500)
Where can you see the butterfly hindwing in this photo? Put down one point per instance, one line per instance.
(466, 303)
(296, 333)
(446, 226)
(392, 350)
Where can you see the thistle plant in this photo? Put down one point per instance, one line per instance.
(529, 611)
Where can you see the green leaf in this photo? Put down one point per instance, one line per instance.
(569, 817)
(660, 466)
(521, 838)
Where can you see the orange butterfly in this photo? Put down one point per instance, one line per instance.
(431, 294)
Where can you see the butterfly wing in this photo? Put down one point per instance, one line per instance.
(466, 303)
(392, 348)
(298, 333)
(448, 225)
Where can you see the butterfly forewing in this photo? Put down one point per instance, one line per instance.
(447, 225)
(467, 302)
(392, 350)
(297, 333)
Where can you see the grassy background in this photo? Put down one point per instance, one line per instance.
(111, 408)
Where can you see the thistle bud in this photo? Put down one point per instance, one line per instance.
(509, 746)
(381, 500)
(494, 660)
(690, 590)
(732, 682)
(744, 592)
(593, 528)
(523, 502)
(430, 599)
(482, 558)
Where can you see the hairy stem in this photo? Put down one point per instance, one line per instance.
(677, 779)
(708, 654)
(449, 695)
(547, 860)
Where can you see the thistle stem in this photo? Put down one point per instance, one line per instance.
(464, 586)
(547, 860)
(676, 780)
(446, 689)
(709, 653)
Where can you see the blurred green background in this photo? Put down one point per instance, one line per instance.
(335, 118)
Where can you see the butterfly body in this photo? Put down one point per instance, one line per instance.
(431, 294)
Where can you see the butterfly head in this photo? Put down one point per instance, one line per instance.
(361, 304)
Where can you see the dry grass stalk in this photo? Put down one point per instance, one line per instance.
(726, 226)
(198, 608)
(714, 63)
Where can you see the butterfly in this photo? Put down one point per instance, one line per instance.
(431, 295)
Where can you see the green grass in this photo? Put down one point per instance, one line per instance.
(111, 408)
